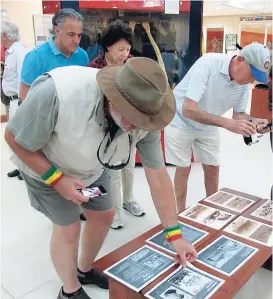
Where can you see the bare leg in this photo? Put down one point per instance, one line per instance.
(95, 231)
(180, 185)
(211, 178)
(64, 254)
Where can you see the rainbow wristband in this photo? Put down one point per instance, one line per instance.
(52, 176)
(173, 233)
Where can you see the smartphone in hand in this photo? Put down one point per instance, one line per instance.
(92, 192)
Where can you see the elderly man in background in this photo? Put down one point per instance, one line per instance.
(14, 57)
(61, 50)
(215, 84)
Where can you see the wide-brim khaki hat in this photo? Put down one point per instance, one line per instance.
(139, 90)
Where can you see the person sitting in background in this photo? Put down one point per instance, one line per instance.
(61, 50)
(117, 40)
(14, 57)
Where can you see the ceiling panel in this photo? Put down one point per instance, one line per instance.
(233, 7)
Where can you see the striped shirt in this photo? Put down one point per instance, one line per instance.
(209, 84)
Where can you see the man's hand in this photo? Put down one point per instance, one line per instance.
(261, 124)
(240, 126)
(67, 187)
(185, 252)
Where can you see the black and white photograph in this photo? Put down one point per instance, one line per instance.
(186, 283)
(251, 230)
(140, 268)
(264, 211)
(226, 255)
(190, 233)
(208, 216)
(191, 281)
(174, 293)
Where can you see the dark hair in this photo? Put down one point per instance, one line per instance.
(116, 31)
(61, 15)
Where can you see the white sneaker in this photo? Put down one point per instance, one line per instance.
(117, 222)
(134, 208)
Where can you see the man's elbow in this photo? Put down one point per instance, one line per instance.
(9, 137)
(23, 91)
(187, 111)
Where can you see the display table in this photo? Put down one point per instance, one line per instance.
(232, 283)
(259, 106)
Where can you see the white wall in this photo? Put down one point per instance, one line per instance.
(20, 13)
(230, 24)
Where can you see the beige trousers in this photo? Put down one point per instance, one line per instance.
(122, 182)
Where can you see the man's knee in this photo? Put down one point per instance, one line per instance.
(103, 218)
(69, 233)
(182, 172)
(211, 170)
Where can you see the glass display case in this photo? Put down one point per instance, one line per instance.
(158, 36)
(174, 40)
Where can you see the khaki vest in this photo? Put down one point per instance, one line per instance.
(80, 128)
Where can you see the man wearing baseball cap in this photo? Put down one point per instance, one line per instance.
(87, 122)
(215, 84)
(257, 57)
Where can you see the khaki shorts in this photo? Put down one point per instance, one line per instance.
(64, 212)
(181, 142)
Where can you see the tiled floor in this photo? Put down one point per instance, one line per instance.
(27, 272)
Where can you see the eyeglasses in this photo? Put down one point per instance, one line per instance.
(114, 167)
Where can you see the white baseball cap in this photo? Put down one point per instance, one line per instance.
(258, 56)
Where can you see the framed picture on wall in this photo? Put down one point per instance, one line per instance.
(215, 39)
(231, 41)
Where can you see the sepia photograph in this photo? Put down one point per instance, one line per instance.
(220, 197)
(263, 234)
(242, 226)
(264, 211)
(239, 204)
(230, 201)
(208, 216)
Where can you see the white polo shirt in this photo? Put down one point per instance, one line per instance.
(13, 65)
(209, 84)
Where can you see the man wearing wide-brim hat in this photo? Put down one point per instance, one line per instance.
(83, 127)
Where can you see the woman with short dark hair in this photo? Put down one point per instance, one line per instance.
(116, 41)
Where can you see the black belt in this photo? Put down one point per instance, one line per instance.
(15, 97)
